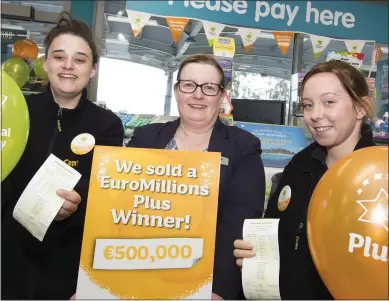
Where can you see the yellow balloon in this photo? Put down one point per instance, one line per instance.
(17, 69)
(348, 226)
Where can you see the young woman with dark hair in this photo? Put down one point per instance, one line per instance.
(48, 270)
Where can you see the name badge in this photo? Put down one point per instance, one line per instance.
(224, 161)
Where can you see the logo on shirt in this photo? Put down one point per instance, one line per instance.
(83, 144)
(71, 163)
(284, 198)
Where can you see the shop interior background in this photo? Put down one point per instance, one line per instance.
(136, 74)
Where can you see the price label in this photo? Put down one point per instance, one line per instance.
(145, 254)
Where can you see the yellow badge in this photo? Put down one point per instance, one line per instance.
(82, 144)
(284, 198)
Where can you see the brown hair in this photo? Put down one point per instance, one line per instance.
(66, 25)
(202, 59)
(351, 79)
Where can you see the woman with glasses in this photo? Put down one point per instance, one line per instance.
(199, 92)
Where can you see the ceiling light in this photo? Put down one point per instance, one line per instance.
(122, 37)
(121, 13)
(264, 35)
(10, 26)
(116, 41)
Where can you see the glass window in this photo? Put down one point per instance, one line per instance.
(263, 73)
(132, 75)
(131, 87)
(173, 106)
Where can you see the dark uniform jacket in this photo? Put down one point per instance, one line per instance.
(48, 270)
(299, 278)
(241, 191)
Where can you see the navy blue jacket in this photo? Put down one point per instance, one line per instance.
(241, 191)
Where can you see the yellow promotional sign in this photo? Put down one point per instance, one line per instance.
(150, 225)
(224, 47)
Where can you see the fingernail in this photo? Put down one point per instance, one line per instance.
(59, 192)
(249, 245)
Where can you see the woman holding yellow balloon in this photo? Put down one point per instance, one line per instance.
(335, 99)
(65, 123)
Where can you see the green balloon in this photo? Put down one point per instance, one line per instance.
(15, 124)
(38, 68)
(17, 69)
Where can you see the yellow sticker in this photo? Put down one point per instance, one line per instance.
(82, 144)
(284, 198)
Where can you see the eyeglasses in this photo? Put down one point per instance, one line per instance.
(209, 89)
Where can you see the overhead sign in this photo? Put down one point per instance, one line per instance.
(338, 19)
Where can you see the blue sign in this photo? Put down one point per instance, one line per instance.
(279, 142)
(226, 64)
(354, 20)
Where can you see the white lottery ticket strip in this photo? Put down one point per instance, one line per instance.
(39, 203)
(260, 274)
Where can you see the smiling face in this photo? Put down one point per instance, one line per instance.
(69, 65)
(329, 112)
(198, 109)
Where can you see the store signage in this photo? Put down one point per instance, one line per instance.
(340, 19)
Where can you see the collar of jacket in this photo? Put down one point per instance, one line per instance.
(218, 136)
(68, 112)
(316, 167)
(319, 153)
